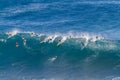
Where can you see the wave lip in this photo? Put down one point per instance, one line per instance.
(83, 40)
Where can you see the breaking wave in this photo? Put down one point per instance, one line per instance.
(29, 55)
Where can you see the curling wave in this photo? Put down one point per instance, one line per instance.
(29, 55)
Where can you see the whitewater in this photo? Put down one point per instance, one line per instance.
(77, 57)
(59, 40)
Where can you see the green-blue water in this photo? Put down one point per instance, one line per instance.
(88, 31)
(77, 58)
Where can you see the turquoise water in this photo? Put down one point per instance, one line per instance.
(82, 57)
(59, 40)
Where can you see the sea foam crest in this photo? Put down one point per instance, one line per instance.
(12, 33)
(62, 37)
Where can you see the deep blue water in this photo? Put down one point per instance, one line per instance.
(61, 16)
(88, 29)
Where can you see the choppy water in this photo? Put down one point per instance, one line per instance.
(88, 31)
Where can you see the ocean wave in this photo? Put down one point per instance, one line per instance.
(53, 36)
(44, 54)
(81, 40)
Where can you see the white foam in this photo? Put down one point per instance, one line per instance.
(52, 59)
(55, 36)
(24, 42)
(62, 40)
(32, 34)
(52, 38)
(12, 33)
(39, 35)
(87, 36)
(2, 40)
(116, 78)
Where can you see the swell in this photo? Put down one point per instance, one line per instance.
(76, 56)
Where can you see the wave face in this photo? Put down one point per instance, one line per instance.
(43, 58)
(79, 40)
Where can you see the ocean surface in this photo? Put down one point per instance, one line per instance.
(59, 40)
